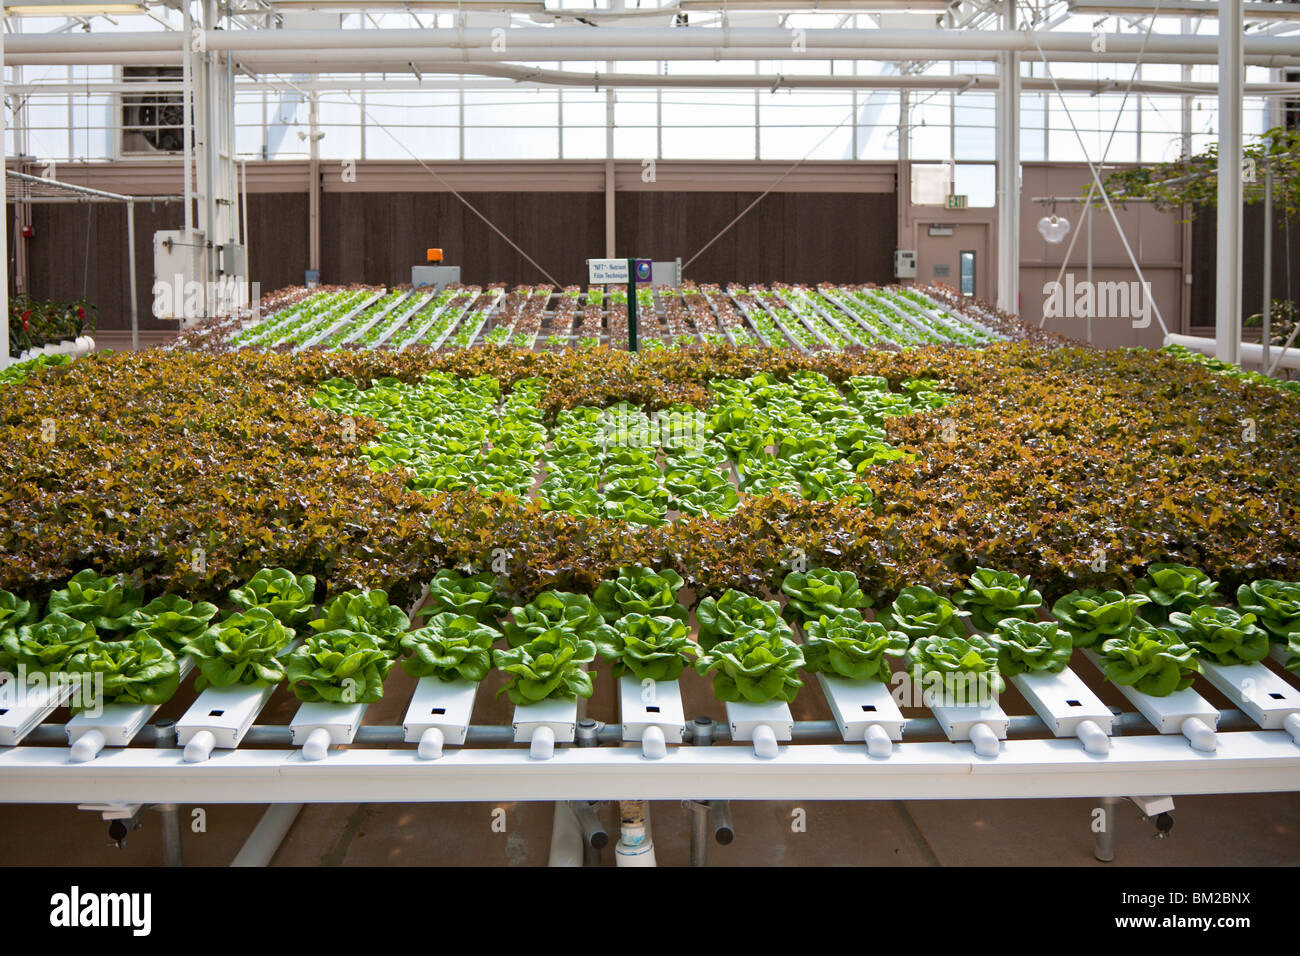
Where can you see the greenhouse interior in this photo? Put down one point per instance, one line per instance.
(572, 433)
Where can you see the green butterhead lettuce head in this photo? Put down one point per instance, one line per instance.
(346, 667)
(551, 609)
(1221, 634)
(973, 660)
(14, 613)
(365, 611)
(639, 590)
(995, 595)
(847, 646)
(757, 666)
(1092, 615)
(475, 595)
(244, 648)
(648, 648)
(288, 596)
(451, 647)
(1153, 659)
(106, 603)
(1031, 647)
(920, 612)
(172, 620)
(139, 671)
(1276, 606)
(721, 618)
(1174, 587)
(548, 666)
(48, 644)
(821, 592)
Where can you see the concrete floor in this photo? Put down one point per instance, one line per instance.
(1255, 830)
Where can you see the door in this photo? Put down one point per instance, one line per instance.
(955, 255)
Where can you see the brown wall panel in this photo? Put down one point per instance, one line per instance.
(1285, 278)
(787, 237)
(59, 267)
(377, 237)
(277, 232)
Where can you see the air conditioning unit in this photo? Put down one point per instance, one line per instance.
(152, 122)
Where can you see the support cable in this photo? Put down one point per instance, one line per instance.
(763, 195)
(446, 185)
(1096, 179)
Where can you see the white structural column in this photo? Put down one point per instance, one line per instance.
(1008, 171)
(1227, 321)
(4, 233)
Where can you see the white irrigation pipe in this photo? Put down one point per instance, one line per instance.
(610, 39)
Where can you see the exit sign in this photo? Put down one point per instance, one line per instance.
(957, 202)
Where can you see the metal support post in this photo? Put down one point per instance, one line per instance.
(1227, 322)
(165, 739)
(700, 809)
(1104, 837)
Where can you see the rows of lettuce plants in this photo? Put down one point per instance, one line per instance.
(830, 318)
(1230, 370)
(300, 319)
(434, 322)
(272, 631)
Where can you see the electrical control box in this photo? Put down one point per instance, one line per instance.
(436, 276)
(178, 275)
(904, 263)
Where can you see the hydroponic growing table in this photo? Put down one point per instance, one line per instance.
(1166, 746)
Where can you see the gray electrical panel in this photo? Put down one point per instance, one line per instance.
(437, 276)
